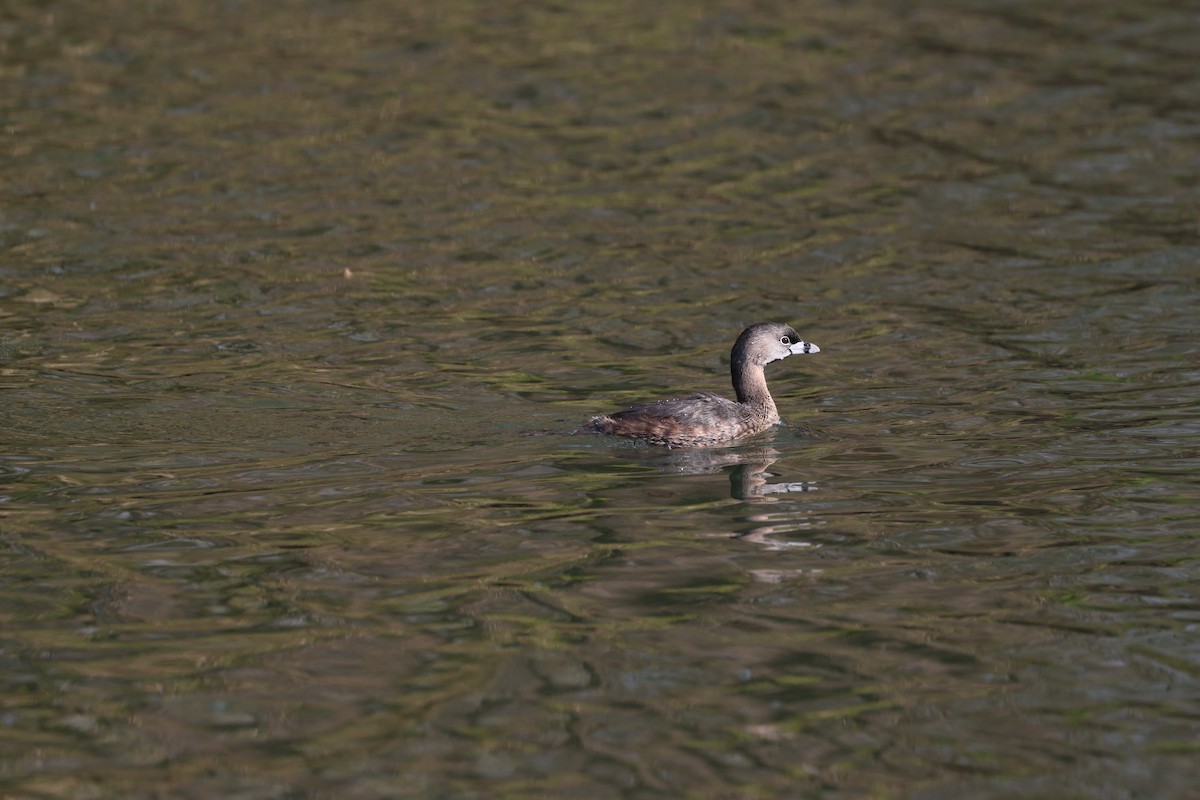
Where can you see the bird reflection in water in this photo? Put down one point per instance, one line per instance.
(750, 481)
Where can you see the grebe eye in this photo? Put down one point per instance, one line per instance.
(784, 340)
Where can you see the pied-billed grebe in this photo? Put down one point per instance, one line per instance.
(705, 418)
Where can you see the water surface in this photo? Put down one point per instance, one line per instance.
(300, 303)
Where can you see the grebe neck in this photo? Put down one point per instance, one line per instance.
(750, 385)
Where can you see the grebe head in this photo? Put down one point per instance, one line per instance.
(770, 341)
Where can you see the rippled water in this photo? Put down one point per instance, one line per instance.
(300, 303)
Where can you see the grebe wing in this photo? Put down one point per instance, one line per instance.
(693, 408)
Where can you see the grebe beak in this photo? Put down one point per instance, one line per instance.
(803, 348)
